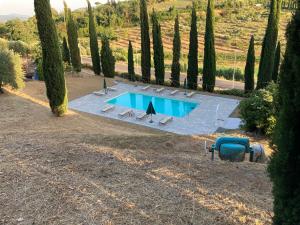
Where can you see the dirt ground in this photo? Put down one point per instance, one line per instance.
(85, 169)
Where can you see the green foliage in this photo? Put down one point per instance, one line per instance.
(175, 70)
(19, 47)
(250, 67)
(11, 69)
(284, 167)
(159, 62)
(192, 71)
(93, 41)
(233, 92)
(227, 73)
(107, 59)
(3, 44)
(18, 30)
(276, 63)
(53, 69)
(145, 42)
(131, 62)
(209, 62)
(258, 112)
(66, 52)
(266, 64)
(39, 69)
(73, 40)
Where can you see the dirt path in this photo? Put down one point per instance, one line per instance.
(83, 169)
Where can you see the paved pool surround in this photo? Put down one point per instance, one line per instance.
(212, 112)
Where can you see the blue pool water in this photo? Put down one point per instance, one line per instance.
(167, 106)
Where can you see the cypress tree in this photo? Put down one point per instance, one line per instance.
(250, 67)
(145, 43)
(159, 62)
(131, 72)
(192, 71)
(73, 40)
(175, 70)
(93, 41)
(53, 68)
(209, 63)
(284, 167)
(276, 63)
(266, 64)
(66, 52)
(107, 59)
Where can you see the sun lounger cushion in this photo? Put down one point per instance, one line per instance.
(145, 88)
(190, 94)
(174, 92)
(99, 93)
(166, 120)
(141, 116)
(107, 108)
(160, 90)
(111, 89)
(128, 112)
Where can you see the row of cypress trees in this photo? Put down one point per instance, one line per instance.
(250, 66)
(72, 34)
(267, 59)
(270, 54)
(209, 67)
(52, 62)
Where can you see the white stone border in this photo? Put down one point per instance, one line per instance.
(212, 112)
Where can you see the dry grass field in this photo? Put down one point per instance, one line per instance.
(84, 169)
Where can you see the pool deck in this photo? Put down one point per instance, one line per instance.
(212, 113)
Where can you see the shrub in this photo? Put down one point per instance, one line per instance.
(234, 92)
(19, 47)
(227, 73)
(259, 111)
(3, 44)
(11, 69)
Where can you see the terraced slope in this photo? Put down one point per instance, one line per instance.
(232, 34)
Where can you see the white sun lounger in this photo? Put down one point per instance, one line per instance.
(111, 89)
(142, 116)
(99, 93)
(128, 112)
(146, 88)
(174, 92)
(160, 90)
(107, 108)
(189, 95)
(166, 120)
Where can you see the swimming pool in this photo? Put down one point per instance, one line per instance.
(167, 106)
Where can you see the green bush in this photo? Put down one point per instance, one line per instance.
(11, 69)
(3, 44)
(19, 47)
(234, 92)
(259, 111)
(227, 73)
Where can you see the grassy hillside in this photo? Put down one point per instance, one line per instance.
(233, 29)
